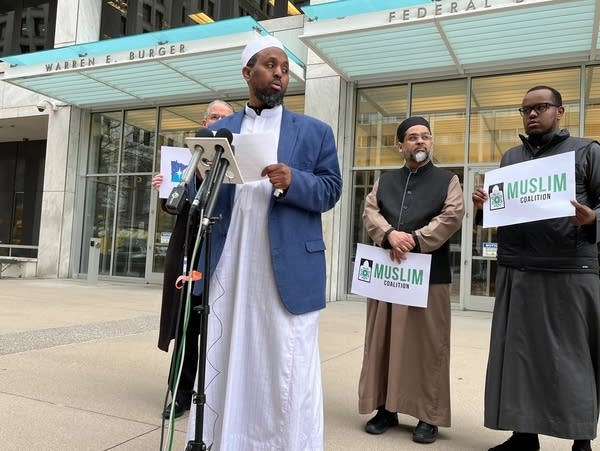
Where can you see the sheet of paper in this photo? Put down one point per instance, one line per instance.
(253, 153)
(530, 191)
(173, 161)
(376, 276)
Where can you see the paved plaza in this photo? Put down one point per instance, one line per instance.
(80, 370)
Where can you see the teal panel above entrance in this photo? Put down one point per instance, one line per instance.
(401, 40)
(184, 64)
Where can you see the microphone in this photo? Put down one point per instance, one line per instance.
(224, 133)
(206, 196)
(177, 197)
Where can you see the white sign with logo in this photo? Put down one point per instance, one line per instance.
(376, 276)
(530, 191)
(173, 163)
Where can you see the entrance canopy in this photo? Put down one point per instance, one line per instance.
(177, 65)
(394, 40)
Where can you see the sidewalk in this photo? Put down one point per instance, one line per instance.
(80, 370)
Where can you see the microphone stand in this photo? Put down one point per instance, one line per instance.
(206, 204)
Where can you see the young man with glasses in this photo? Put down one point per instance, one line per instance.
(171, 306)
(406, 361)
(543, 373)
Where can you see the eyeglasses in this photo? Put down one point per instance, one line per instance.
(414, 137)
(215, 117)
(538, 108)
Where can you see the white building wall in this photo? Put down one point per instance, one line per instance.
(78, 21)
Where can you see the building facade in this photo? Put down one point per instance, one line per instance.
(81, 168)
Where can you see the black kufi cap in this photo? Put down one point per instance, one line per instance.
(408, 123)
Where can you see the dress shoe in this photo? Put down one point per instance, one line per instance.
(381, 422)
(581, 445)
(425, 433)
(180, 409)
(519, 441)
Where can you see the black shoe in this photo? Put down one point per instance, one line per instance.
(180, 409)
(425, 433)
(381, 422)
(581, 445)
(519, 441)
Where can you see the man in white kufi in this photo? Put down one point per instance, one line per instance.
(263, 379)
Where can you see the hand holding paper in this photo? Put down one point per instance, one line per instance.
(254, 153)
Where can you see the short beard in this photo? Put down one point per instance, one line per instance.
(270, 97)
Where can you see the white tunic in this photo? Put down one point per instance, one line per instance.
(263, 378)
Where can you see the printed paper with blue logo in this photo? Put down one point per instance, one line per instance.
(376, 276)
(530, 191)
(173, 162)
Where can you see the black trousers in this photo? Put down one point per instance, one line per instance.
(190, 358)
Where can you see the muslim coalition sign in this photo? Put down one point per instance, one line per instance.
(530, 191)
(376, 276)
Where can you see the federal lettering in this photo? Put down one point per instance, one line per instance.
(450, 8)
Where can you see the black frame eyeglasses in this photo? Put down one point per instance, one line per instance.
(538, 108)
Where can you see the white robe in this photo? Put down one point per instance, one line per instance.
(263, 377)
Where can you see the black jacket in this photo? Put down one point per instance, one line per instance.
(409, 200)
(556, 244)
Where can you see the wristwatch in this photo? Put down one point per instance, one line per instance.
(387, 234)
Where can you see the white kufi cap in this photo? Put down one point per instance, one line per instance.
(258, 44)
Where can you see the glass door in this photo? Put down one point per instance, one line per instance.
(480, 280)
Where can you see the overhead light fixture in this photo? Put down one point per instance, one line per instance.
(291, 9)
(200, 18)
(120, 5)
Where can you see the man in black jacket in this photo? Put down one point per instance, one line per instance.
(543, 374)
(171, 308)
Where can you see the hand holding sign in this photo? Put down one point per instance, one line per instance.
(583, 214)
(529, 191)
(376, 276)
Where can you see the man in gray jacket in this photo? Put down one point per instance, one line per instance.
(543, 374)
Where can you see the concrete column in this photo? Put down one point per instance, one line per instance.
(78, 21)
(325, 95)
(56, 227)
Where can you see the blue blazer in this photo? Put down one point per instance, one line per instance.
(307, 146)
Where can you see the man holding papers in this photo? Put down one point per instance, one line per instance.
(406, 363)
(543, 374)
(263, 375)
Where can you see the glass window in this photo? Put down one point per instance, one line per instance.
(99, 220)
(444, 105)
(138, 140)
(21, 188)
(147, 12)
(495, 121)
(105, 143)
(592, 103)
(27, 25)
(378, 113)
(133, 208)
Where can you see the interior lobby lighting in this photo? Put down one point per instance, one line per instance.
(200, 18)
(291, 9)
